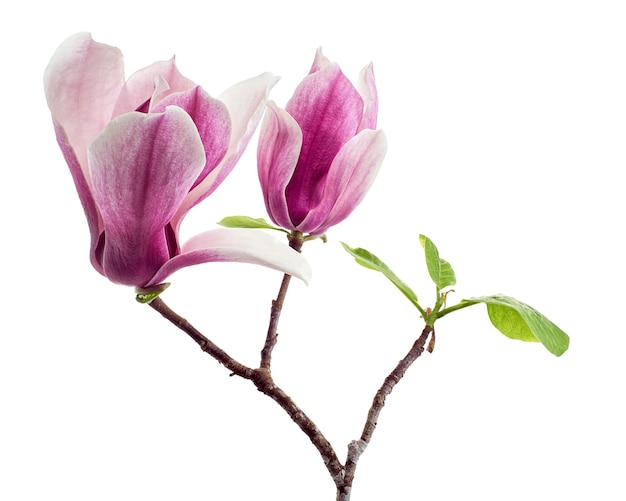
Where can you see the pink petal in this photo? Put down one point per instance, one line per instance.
(246, 103)
(350, 177)
(82, 82)
(320, 61)
(279, 146)
(84, 194)
(367, 88)
(236, 245)
(142, 166)
(154, 83)
(329, 111)
(212, 120)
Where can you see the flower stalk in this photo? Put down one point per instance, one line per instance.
(296, 240)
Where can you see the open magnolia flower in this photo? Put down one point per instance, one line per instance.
(142, 152)
(318, 157)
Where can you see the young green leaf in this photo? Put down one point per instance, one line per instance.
(369, 260)
(247, 222)
(440, 270)
(517, 320)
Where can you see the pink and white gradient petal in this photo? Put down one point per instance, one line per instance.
(142, 167)
(236, 245)
(81, 83)
(278, 150)
(212, 120)
(328, 110)
(366, 86)
(351, 176)
(154, 83)
(246, 102)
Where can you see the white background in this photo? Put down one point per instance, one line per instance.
(506, 124)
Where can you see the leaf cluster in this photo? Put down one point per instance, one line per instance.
(510, 316)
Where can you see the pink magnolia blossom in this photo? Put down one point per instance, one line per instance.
(318, 157)
(142, 152)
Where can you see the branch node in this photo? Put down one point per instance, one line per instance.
(355, 449)
(262, 378)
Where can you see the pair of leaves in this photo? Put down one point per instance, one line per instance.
(511, 317)
(439, 269)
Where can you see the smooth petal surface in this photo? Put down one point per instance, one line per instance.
(212, 121)
(142, 166)
(84, 194)
(329, 110)
(236, 245)
(279, 146)
(82, 82)
(349, 179)
(246, 103)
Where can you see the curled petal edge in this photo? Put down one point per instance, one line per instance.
(153, 82)
(82, 184)
(278, 149)
(81, 83)
(236, 245)
(367, 88)
(245, 102)
(349, 179)
(320, 61)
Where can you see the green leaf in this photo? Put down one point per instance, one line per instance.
(247, 222)
(440, 270)
(146, 295)
(369, 260)
(517, 320)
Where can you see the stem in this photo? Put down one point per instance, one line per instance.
(296, 240)
(356, 447)
(272, 330)
(265, 384)
(463, 304)
(262, 379)
(205, 343)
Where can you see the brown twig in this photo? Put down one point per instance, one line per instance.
(356, 447)
(272, 330)
(296, 240)
(262, 379)
(343, 476)
(205, 343)
(265, 384)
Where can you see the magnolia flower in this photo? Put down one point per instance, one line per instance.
(142, 152)
(318, 157)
